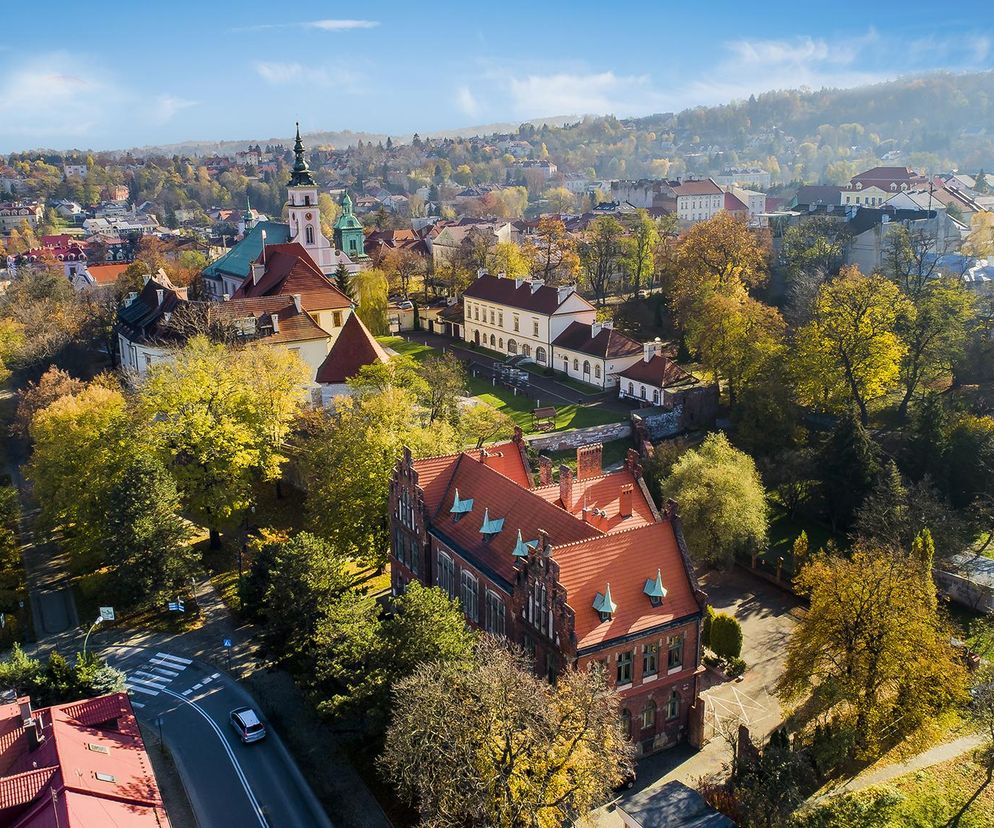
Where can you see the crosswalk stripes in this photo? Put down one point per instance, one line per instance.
(156, 674)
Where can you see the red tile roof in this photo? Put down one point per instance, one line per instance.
(660, 372)
(289, 270)
(626, 560)
(692, 188)
(55, 783)
(607, 344)
(545, 299)
(106, 274)
(734, 204)
(354, 348)
(506, 458)
(294, 325)
(604, 494)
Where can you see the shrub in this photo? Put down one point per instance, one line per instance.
(706, 625)
(725, 636)
(735, 667)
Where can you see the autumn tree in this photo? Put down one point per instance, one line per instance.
(601, 252)
(641, 242)
(872, 647)
(496, 745)
(721, 500)
(850, 352)
(370, 288)
(35, 396)
(482, 423)
(402, 266)
(559, 200)
(509, 259)
(445, 380)
(329, 211)
(553, 252)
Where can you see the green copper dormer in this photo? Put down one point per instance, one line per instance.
(521, 546)
(301, 175)
(604, 604)
(461, 507)
(348, 233)
(491, 526)
(655, 590)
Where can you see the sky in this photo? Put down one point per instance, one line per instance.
(113, 75)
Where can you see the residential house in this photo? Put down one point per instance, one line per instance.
(743, 177)
(98, 276)
(698, 200)
(62, 249)
(815, 195)
(14, 214)
(521, 316)
(445, 238)
(594, 353)
(75, 170)
(584, 573)
(76, 765)
(753, 201)
(873, 187)
(871, 229)
(656, 380)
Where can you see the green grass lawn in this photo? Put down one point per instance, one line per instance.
(416, 350)
(784, 529)
(614, 453)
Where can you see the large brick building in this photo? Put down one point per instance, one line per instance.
(580, 571)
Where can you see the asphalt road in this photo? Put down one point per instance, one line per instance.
(228, 783)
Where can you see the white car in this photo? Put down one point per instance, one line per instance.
(246, 723)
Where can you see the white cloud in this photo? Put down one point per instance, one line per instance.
(343, 77)
(279, 73)
(165, 107)
(467, 102)
(571, 93)
(327, 25)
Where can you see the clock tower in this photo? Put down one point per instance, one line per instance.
(303, 212)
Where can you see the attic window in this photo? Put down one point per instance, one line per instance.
(97, 748)
(461, 507)
(491, 527)
(655, 590)
(105, 777)
(604, 604)
(521, 547)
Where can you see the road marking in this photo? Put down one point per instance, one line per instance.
(160, 672)
(142, 683)
(215, 675)
(135, 689)
(231, 755)
(137, 704)
(197, 686)
(187, 692)
(166, 663)
(184, 661)
(208, 680)
(151, 678)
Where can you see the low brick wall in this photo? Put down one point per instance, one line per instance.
(563, 440)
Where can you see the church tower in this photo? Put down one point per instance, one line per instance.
(303, 212)
(349, 235)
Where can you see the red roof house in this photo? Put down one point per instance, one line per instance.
(77, 765)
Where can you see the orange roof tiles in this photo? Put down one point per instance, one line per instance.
(289, 270)
(604, 493)
(106, 274)
(354, 348)
(506, 458)
(626, 560)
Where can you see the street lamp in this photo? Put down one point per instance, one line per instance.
(93, 626)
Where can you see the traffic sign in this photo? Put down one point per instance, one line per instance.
(177, 606)
(107, 613)
(227, 643)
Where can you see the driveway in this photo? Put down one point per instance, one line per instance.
(768, 615)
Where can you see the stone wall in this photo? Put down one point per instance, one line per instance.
(563, 440)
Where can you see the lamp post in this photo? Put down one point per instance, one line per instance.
(93, 626)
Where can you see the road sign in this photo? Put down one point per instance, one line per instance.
(177, 606)
(227, 643)
(107, 613)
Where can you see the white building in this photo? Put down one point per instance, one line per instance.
(595, 353)
(698, 200)
(521, 316)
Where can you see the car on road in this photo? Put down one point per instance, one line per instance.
(247, 725)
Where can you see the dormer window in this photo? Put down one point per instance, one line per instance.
(655, 590)
(490, 526)
(604, 605)
(521, 546)
(461, 507)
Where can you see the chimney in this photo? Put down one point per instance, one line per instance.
(536, 283)
(563, 292)
(258, 268)
(625, 501)
(226, 297)
(595, 328)
(650, 349)
(24, 703)
(518, 282)
(588, 461)
(276, 322)
(145, 278)
(160, 295)
(519, 436)
(297, 303)
(543, 542)
(544, 470)
(566, 487)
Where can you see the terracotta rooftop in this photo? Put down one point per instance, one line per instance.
(604, 494)
(289, 270)
(106, 274)
(607, 343)
(293, 325)
(354, 347)
(660, 371)
(693, 188)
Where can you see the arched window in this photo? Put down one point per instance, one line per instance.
(576, 364)
(586, 366)
(649, 715)
(540, 354)
(673, 706)
(500, 343)
(642, 390)
(526, 350)
(309, 234)
(597, 371)
(655, 396)
(493, 340)
(631, 389)
(626, 723)
(512, 346)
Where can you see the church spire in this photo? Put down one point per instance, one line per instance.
(301, 175)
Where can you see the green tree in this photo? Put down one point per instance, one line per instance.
(725, 636)
(445, 379)
(872, 645)
(640, 250)
(721, 500)
(496, 745)
(553, 252)
(601, 253)
(343, 279)
(371, 288)
(849, 465)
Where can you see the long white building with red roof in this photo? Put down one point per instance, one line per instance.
(583, 570)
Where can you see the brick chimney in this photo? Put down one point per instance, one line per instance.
(566, 487)
(588, 461)
(274, 317)
(632, 463)
(544, 471)
(625, 500)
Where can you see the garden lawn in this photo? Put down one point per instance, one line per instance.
(614, 453)
(407, 347)
(784, 530)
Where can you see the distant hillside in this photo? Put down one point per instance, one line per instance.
(338, 139)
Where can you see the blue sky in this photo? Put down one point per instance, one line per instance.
(109, 75)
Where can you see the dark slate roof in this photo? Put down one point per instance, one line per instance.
(354, 348)
(673, 805)
(293, 325)
(238, 260)
(142, 316)
(659, 372)
(608, 344)
(868, 217)
(489, 288)
(818, 194)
